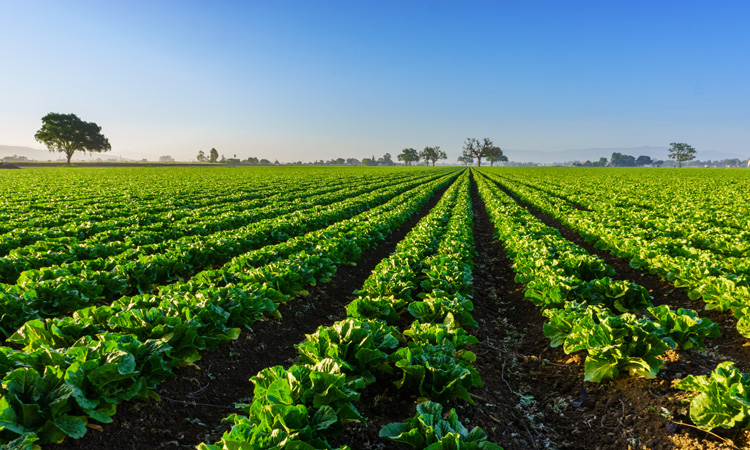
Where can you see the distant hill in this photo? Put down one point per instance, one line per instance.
(31, 153)
(36, 154)
(593, 154)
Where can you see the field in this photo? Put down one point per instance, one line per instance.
(371, 308)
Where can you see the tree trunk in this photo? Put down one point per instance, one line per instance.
(69, 155)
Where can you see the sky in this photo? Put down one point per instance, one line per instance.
(309, 80)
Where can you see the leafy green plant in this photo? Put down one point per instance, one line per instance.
(684, 327)
(723, 399)
(360, 347)
(429, 430)
(614, 343)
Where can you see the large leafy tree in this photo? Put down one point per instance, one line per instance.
(66, 133)
(465, 159)
(432, 154)
(214, 155)
(408, 156)
(496, 155)
(681, 152)
(479, 149)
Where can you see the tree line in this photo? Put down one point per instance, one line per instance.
(66, 133)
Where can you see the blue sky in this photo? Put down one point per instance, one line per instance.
(316, 80)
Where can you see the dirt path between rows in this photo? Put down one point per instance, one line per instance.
(198, 398)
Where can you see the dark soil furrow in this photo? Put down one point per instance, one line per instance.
(194, 402)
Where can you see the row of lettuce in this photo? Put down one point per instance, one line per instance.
(589, 311)
(82, 238)
(307, 405)
(70, 370)
(710, 261)
(56, 290)
(724, 395)
(56, 202)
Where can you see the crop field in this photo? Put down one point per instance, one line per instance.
(375, 308)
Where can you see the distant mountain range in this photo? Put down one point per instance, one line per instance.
(593, 154)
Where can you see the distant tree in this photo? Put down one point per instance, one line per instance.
(681, 152)
(643, 160)
(478, 149)
(733, 162)
(352, 161)
(602, 162)
(408, 156)
(657, 163)
(386, 160)
(166, 158)
(620, 160)
(66, 133)
(223, 159)
(432, 154)
(496, 155)
(466, 159)
(264, 161)
(369, 162)
(201, 156)
(213, 155)
(252, 160)
(340, 161)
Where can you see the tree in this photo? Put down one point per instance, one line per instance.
(681, 152)
(465, 159)
(66, 133)
(496, 155)
(432, 154)
(643, 160)
(386, 160)
(602, 162)
(479, 149)
(352, 161)
(213, 155)
(408, 156)
(201, 156)
(620, 160)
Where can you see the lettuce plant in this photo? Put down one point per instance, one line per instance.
(429, 430)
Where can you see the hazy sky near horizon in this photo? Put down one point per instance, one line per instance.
(304, 80)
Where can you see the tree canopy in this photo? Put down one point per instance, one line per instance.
(681, 152)
(408, 156)
(496, 155)
(465, 159)
(66, 133)
(432, 154)
(479, 149)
